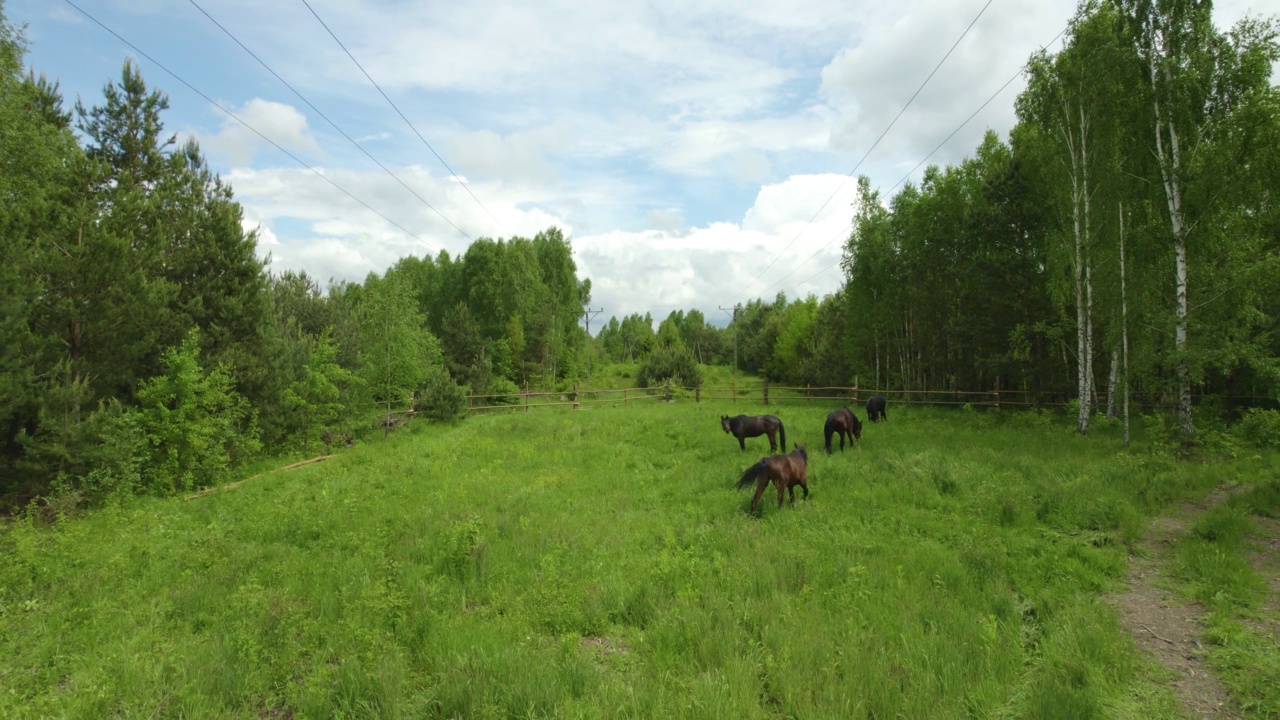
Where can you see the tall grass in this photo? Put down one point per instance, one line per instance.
(1213, 568)
(599, 563)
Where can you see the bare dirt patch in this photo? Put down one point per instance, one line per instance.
(1165, 626)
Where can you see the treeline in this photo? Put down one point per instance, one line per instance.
(1130, 222)
(145, 348)
(1128, 233)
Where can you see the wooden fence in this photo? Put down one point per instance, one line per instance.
(767, 394)
(525, 400)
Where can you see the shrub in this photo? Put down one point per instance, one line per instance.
(672, 362)
(197, 426)
(441, 398)
(1260, 428)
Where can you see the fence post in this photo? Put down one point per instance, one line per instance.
(855, 389)
(808, 398)
(735, 391)
(997, 393)
(575, 396)
(766, 392)
(526, 396)
(624, 397)
(697, 394)
(666, 387)
(468, 399)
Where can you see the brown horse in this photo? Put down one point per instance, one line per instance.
(786, 471)
(745, 426)
(842, 422)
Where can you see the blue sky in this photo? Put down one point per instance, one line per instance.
(681, 146)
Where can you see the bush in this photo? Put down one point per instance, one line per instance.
(197, 426)
(674, 363)
(441, 398)
(1260, 428)
(505, 392)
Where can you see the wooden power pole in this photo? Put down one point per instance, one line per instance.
(587, 314)
(733, 322)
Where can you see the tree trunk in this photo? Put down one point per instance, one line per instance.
(1111, 381)
(1124, 330)
(1170, 171)
(1080, 227)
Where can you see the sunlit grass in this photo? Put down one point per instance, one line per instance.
(599, 563)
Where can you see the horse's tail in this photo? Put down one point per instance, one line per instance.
(782, 436)
(753, 473)
(827, 430)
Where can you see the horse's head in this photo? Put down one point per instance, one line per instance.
(724, 423)
(857, 427)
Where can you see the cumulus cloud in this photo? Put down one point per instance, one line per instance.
(660, 270)
(519, 155)
(681, 145)
(278, 121)
(868, 82)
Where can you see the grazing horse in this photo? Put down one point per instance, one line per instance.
(785, 471)
(842, 422)
(745, 426)
(875, 406)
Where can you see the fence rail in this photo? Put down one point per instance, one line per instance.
(526, 399)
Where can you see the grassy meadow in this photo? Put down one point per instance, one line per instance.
(599, 563)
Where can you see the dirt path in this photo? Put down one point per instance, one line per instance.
(1165, 626)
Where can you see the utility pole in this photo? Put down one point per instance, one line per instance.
(733, 322)
(587, 314)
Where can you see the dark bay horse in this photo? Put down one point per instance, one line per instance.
(785, 471)
(875, 406)
(745, 426)
(842, 422)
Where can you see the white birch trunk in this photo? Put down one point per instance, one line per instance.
(1080, 226)
(1113, 378)
(1170, 171)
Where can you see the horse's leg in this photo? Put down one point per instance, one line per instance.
(805, 485)
(773, 443)
(742, 443)
(760, 486)
(782, 484)
(791, 489)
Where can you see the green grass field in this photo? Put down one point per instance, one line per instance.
(599, 563)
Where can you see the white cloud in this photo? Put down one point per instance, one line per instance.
(682, 145)
(661, 270)
(521, 155)
(869, 82)
(282, 123)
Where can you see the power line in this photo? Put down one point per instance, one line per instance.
(873, 145)
(912, 171)
(237, 118)
(402, 117)
(326, 118)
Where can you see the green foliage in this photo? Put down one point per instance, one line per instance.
(397, 353)
(321, 395)
(441, 398)
(504, 392)
(1260, 428)
(197, 426)
(674, 363)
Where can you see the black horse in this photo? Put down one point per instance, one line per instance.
(842, 422)
(745, 426)
(875, 406)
